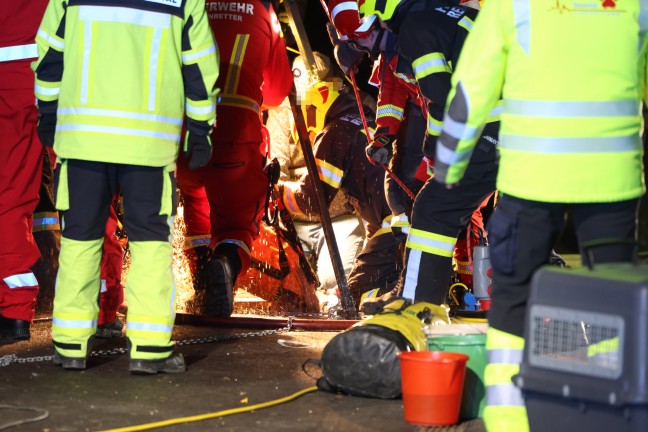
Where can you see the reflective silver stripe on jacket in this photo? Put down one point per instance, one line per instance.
(154, 59)
(458, 130)
(158, 22)
(496, 111)
(119, 131)
(18, 52)
(522, 13)
(51, 40)
(125, 15)
(558, 145)
(562, 109)
(504, 395)
(449, 157)
(189, 58)
(643, 16)
(21, 280)
(46, 91)
(100, 112)
(203, 110)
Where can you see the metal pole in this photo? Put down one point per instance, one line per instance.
(299, 33)
(325, 218)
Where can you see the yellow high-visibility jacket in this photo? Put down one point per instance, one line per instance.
(571, 76)
(123, 77)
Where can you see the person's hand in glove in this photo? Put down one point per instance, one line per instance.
(198, 150)
(380, 150)
(346, 55)
(46, 128)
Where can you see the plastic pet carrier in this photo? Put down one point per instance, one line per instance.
(585, 364)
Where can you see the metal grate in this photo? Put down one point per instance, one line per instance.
(580, 342)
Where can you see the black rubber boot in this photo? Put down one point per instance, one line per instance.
(110, 330)
(221, 272)
(199, 279)
(74, 363)
(219, 297)
(69, 363)
(13, 330)
(173, 364)
(372, 306)
(196, 304)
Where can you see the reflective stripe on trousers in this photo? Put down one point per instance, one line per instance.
(505, 409)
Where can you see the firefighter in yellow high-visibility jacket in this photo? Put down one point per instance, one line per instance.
(114, 84)
(570, 137)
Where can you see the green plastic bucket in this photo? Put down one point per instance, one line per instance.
(473, 399)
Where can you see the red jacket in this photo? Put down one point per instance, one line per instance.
(19, 22)
(254, 70)
(394, 90)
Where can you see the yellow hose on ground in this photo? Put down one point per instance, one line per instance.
(223, 413)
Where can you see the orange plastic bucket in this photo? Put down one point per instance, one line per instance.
(432, 383)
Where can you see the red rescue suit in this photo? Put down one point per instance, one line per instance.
(112, 256)
(395, 88)
(226, 198)
(21, 156)
(400, 113)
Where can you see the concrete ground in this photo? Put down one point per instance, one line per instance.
(225, 371)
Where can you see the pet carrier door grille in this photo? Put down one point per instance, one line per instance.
(580, 342)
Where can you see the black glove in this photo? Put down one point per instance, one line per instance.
(46, 128)
(198, 150)
(346, 55)
(379, 151)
